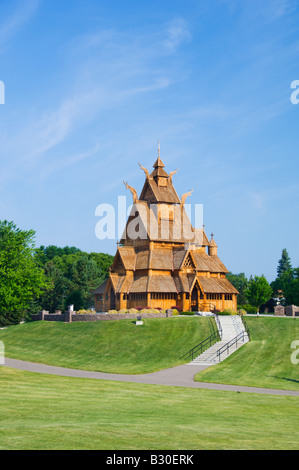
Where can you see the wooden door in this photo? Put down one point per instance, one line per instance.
(194, 300)
(112, 299)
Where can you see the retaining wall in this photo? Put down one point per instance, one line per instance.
(70, 317)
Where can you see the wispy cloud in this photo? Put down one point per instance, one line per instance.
(176, 33)
(112, 68)
(22, 13)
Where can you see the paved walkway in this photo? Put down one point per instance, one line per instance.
(180, 376)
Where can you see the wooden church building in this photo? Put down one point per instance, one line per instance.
(161, 260)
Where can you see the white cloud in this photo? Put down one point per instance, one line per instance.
(21, 15)
(176, 33)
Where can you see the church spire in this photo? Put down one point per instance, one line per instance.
(158, 163)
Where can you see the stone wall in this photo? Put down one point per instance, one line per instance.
(279, 311)
(116, 316)
(292, 311)
(72, 316)
(289, 311)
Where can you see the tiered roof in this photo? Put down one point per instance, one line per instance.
(139, 268)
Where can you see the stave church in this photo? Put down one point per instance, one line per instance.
(161, 259)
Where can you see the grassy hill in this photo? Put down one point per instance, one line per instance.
(107, 346)
(263, 362)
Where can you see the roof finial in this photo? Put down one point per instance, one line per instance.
(212, 235)
(158, 148)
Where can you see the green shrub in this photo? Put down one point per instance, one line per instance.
(156, 310)
(187, 313)
(248, 308)
(112, 311)
(242, 312)
(228, 311)
(84, 312)
(133, 310)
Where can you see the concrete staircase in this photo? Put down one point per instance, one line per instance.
(230, 327)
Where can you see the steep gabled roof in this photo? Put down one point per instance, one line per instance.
(220, 264)
(151, 227)
(206, 263)
(128, 256)
(153, 194)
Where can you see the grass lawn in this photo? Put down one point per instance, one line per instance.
(107, 346)
(40, 411)
(263, 362)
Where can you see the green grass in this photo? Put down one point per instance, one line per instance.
(107, 346)
(40, 411)
(263, 362)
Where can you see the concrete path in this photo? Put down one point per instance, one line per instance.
(180, 376)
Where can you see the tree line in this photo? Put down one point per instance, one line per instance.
(256, 292)
(51, 278)
(45, 278)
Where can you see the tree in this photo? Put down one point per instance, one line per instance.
(240, 282)
(43, 254)
(55, 297)
(73, 275)
(21, 280)
(259, 291)
(284, 264)
(85, 276)
(286, 285)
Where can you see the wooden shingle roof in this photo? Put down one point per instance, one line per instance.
(142, 259)
(216, 286)
(151, 227)
(166, 194)
(219, 262)
(161, 259)
(128, 256)
(178, 257)
(206, 263)
(159, 283)
(101, 288)
(139, 285)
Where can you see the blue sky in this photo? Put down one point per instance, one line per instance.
(91, 86)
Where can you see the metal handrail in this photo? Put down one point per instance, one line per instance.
(218, 335)
(199, 347)
(229, 344)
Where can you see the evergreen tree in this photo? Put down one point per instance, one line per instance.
(284, 264)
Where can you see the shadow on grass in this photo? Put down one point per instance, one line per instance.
(285, 378)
